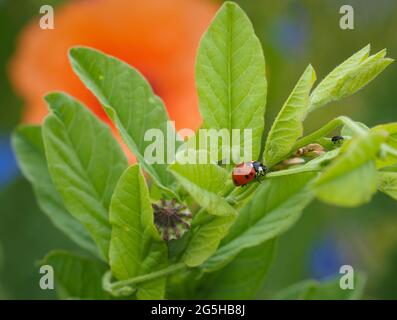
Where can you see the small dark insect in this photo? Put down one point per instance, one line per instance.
(247, 171)
(337, 139)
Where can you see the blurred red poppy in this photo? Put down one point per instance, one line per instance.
(158, 37)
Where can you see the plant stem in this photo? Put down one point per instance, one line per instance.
(329, 127)
(242, 193)
(287, 172)
(389, 149)
(229, 188)
(150, 276)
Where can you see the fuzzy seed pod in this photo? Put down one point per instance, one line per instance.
(293, 161)
(311, 150)
(289, 162)
(171, 218)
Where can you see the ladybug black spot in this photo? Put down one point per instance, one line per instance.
(251, 174)
(246, 176)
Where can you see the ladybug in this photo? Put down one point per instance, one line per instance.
(337, 139)
(247, 171)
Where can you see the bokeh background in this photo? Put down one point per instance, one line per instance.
(160, 37)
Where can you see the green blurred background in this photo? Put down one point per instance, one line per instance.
(293, 33)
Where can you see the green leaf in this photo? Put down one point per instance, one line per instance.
(387, 183)
(230, 76)
(130, 102)
(348, 132)
(288, 127)
(85, 162)
(274, 208)
(387, 157)
(391, 129)
(323, 159)
(136, 247)
(354, 170)
(206, 238)
(324, 91)
(327, 290)
(204, 182)
(349, 77)
(76, 277)
(28, 145)
(242, 278)
(392, 168)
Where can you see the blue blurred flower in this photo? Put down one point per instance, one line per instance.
(290, 33)
(8, 165)
(325, 258)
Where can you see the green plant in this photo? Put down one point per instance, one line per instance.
(84, 184)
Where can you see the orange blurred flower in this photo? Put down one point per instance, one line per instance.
(158, 37)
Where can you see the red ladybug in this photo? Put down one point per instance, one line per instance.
(247, 171)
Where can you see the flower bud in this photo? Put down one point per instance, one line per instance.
(171, 218)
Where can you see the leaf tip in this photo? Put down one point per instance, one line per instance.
(21, 128)
(313, 72)
(364, 52)
(387, 61)
(230, 4)
(230, 7)
(73, 52)
(52, 99)
(381, 54)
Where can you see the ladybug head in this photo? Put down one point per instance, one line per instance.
(260, 168)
